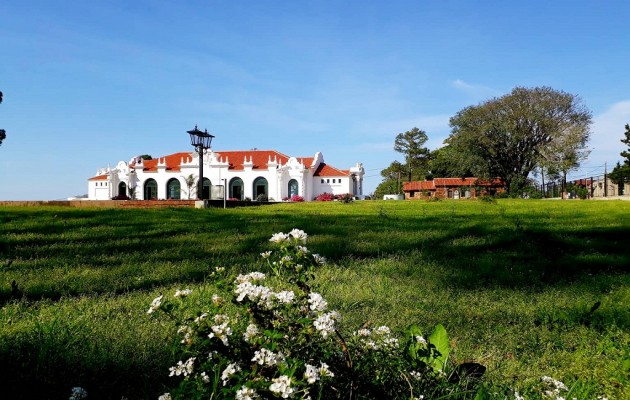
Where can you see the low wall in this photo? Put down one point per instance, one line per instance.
(129, 203)
(102, 203)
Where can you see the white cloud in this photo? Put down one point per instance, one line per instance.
(478, 92)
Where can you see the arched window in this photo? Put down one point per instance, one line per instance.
(236, 189)
(260, 187)
(293, 188)
(173, 189)
(122, 189)
(206, 188)
(150, 189)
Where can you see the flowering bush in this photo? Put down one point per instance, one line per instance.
(345, 198)
(325, 197)
(296, 198)
(264, 341)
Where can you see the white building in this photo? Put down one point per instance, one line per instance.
(247, 174)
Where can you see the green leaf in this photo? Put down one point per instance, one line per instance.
(439, 339)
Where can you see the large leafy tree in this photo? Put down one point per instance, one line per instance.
(506, 137)
(411, 144)
(3, 133)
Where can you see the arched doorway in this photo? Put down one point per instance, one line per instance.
(206, 188)
(294, 188)
(173, 189)
(150, 189)
(122, 189)
(236, 189)
(260, 187)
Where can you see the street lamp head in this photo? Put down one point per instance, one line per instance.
(206, 139)
(200, 139)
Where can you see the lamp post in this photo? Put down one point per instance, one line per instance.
(200, 141)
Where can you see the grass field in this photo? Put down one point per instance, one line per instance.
(527, 288)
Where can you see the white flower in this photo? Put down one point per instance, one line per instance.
(421, 340)
(302, 250)
(299, 235)
(183, 293)
(282, 386)
(155, 304)
(324, 370)
(319, 259)
(252, 276)
(268, 358)
(245, 393)
(286, 259)
(317, 302)
(187, 331)
(216, 299)
(518, 397)
(325, 323)
(204, 377)
(250, 332)
(221, 330)
(165, 396)
(200, 318)
(311, 374)
(230, 370)
(265, 254)
(416, 375)
(284, 297)
(78, 393)
(183, 368)
(382, 330)
(363, 332)
(279, 237)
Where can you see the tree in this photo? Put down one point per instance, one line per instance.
(565, 153)
(416, 157)
(191, 183)
(620, 175)
(504, 137)
(3, 133)
(391, 179)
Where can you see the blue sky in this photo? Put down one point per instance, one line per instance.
(87, 84)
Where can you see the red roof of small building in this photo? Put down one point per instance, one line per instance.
(450, 182)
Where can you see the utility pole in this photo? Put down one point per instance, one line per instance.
(605, 180)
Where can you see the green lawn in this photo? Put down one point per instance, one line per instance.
(514, 283)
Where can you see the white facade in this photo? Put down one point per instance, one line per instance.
(247, 175)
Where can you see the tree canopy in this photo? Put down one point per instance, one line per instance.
(507, 137)
(621, 173)
(411, 145)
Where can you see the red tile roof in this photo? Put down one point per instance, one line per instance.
(99, 178)
(173, 162)
(326, 170)
(259, 159)
(418, 185)
(450, 182)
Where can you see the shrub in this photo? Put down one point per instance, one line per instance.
(345, 198)
(297, 198)
(325, 197)
(262, 197)
(258, 341)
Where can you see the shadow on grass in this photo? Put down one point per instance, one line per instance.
(488, 247)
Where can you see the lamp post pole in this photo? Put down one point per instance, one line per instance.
(201, 141)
